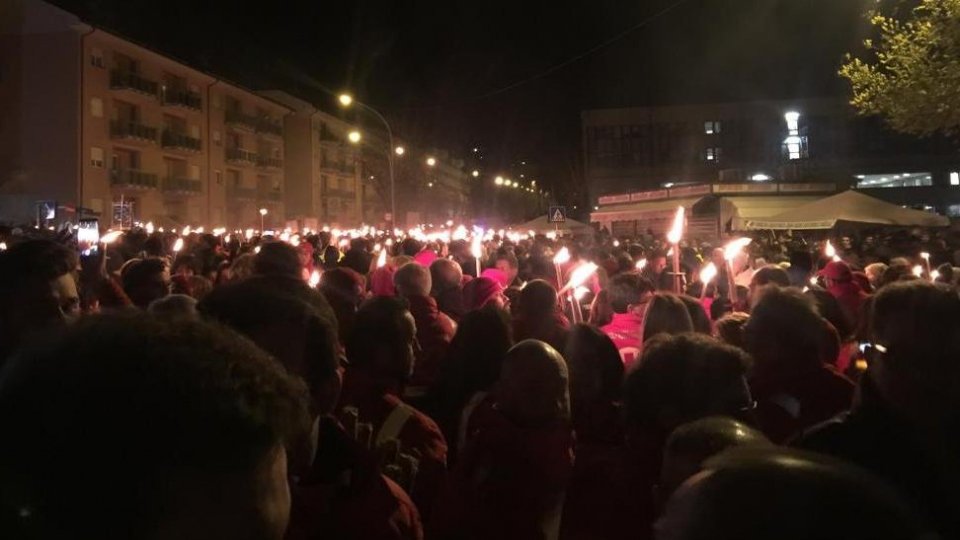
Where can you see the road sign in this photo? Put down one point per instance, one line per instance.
(557, 214)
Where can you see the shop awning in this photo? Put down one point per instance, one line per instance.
(643, 210)
(739, 210)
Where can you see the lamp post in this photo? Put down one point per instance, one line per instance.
(346, 100)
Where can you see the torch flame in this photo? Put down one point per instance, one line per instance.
(476, 247)
(149, 227)
(935, 275)
(562, 256)
(676, 232)
(918, 270)
(110, 237)
(641, 264)
(580, 292)
(314, 279)
(733, 248)
(382, 259)
(925, 255)
(708, 273)
(829, 250)
(178, 245)
(186, 231)
(580, 275)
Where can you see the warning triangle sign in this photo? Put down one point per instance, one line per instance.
(557, 215)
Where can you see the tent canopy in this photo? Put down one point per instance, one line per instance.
(541, 225)
(851, 207)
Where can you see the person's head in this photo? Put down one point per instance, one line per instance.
(507, 263)
(445, 275)
(875, 273)
(180, 429)
(37, 290)
(916, 327)
(629, 293)
(785, 333)
(730, 329)
(410, 247)
(342, 286)
(278, 259)
(717, 258)
(200, 287)
(412, 280)
(768, 275)
(476, 352)
(698, 315)
(693, 443)
(481, 292)
(288, 328)
(537, 299)
(666, 314)
(829, 308)
(146, 280)
(894, 273)
(532, 390)
(186, 265)
(658, 262)
(242, 267)
(596, 370)
(174, 306)
(384, 339)
(679, 379)
(753, 493)
(836, 273)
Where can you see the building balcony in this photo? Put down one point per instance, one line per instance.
(269, 162)
(132, 178)
(333, 166)
(132, 130)
(239, 155)
(340, 194)
(181, 98)
(237, 119)
(128, 80)
(242, 193)
(177, 184)
(179, 141)
(272, 195)
(327, 136)
(269, 126)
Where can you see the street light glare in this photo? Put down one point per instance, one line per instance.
(399, 150)
(431, 161)
(475, 173)
(498, 180)
(263, 211)
(354, 136)
(345, 99)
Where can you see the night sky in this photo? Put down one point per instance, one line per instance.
(446, 72)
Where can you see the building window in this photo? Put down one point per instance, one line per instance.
(194, 172)
(216, 137)
(894, 180)
(96, 157)
(712, 154)
(954, 178)
(195, 131)
(711, 127)
(96, 107)
(96, 57)
(953, 210)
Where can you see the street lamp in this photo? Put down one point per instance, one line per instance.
(498, 180)
(354, 136)
(431, 161)
(347, 100)
(263, 213)
(475, 173)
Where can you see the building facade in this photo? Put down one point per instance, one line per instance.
(805, 141)
(107, 128)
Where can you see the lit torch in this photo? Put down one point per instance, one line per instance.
(314, 279)
(641, 264)
(730, 252)
(577, 278)
(110, 237)
(926, 259)
(674, 236)
(918, 271)
(178, 245)
(562, 257)
(382, 259)
(476, 249)
(706, 276)
(831, 252)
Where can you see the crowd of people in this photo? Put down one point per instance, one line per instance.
(382, 386)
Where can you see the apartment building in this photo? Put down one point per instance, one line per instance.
(105, 127)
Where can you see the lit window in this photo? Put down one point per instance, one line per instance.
(96, 107)
(711, 127)
(954, 178)
(712, 154)
(96, 157)
(894, 180)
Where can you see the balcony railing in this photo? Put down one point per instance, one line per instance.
(274, 195)
(181, 98)
(269, 162)
(237, 118)
(182, 185)
(239, 154)
(133, 178)
(132, 130)
(242, 193)
(170, 139)
(120, 79)
(338, 167)
(270, 126)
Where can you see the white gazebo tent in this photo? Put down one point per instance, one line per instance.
(542, 225)
(850, 207)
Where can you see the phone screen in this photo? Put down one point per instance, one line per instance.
(88, 235)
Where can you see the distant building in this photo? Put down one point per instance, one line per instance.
(105, 127)
(636, 155)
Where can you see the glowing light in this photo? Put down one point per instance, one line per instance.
(354, 136)
(813, 281)
(580, 275)
(475, 173)
(918, 270)
(934, 275)
(708, 273)
(314, 279)
(110, 236)
(178, 245)
(382, 259)
(580, 292)
(248, 234)
(185, 231)
(925, 256)
(345, 99)
(734, 247)
(3, 246)
(399, 150)
(641, 264)
(676, 232)
(256, 249)
(760, 177)
(616, 243)
(263, 211)
(476, 247)
(498, 180)
(199, 230)
(792, 118)
(562, 256)
(431, 161)
(149, 227)
(829, 250)
(344, 242)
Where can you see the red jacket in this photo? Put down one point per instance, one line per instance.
(509, 484)
(345, 496)
(624, 329)
(850, 297)
(434, 332)
(790, 403)
(375, 401)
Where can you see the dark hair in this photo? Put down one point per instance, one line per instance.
(698, 315)
(137, 403)
(277, 259)
(379, 323)
(410, 247)
(730, 329)
(136, 280)
(626, 290)
(503, 255)
(682, 378)
(829, 308)
(188, 260)
(275, 321)
(35, 261)
(785, 332)
(770, 275)
(666, 314)
(591, 353)
(537, 299)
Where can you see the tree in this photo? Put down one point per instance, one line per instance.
(911, 76)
